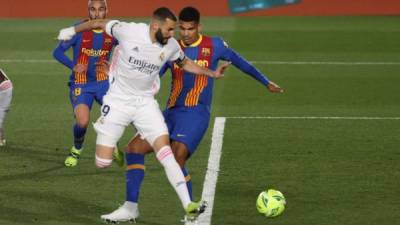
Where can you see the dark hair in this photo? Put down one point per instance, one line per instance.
(189, 14)
(163, 13)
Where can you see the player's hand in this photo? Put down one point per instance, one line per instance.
(66, 34)
(103, 66)
(274, 88)
(79, 68)
(219, 72)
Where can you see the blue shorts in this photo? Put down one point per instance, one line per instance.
(187, 125)
(86, 94)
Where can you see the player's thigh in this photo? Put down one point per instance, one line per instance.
(111, 124)
(138, 145)
(189, 128)
(149, 122)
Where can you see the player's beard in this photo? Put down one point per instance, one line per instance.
(160, 37)
(97, 17)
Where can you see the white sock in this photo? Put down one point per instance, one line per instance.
(174, 174)
(103, 163)
(131, 206)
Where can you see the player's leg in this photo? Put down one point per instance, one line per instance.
(81, 113)
(5, 102)
(181, 154)
(150, 124)
(100, 91)
(189, 127)
(82, 117)
(134, 175)
(172, 169)
(81, 100)
(109, 128)
(135, 169)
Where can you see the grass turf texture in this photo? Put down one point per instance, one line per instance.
(331, 171)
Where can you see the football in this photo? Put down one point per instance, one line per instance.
(271, 203)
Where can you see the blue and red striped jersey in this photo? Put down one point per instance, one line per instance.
(89, 48)
(190, 90)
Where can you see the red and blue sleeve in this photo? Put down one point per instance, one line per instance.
(59, 52)
(239, 62)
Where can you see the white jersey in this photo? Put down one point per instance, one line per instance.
(137, 63)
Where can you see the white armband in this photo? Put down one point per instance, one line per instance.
(66, 34)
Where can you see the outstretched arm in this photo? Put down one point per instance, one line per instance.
(190, 66)
(68, 33)
(246, 67)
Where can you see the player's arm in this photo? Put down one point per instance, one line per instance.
(246, 67)
(59, 53)
(192, 67)
(69, 32)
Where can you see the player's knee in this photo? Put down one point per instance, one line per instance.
(132, 149)
(82, 115)
(139, 146)
(181, 153)
(103, 163)
(82, 122)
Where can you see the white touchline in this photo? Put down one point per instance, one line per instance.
(211, 178)
(210, 181)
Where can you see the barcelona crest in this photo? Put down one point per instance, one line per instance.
(206, 52)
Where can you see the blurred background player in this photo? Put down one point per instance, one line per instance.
(6, 88)
(188, 107)
(88, 80)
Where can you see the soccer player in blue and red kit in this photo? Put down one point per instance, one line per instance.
(188, 107)
(89, 79)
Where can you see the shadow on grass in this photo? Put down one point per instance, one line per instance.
(36, 165)
(40, 207)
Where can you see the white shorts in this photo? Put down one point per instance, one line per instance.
(5, 102)
(116, 114)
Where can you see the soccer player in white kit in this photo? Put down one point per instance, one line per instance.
(143, 49)
(6, 88)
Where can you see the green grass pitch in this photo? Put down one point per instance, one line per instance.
(332, 172)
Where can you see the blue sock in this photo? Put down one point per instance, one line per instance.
(134, 175)
(188, 182)
(79, 136)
